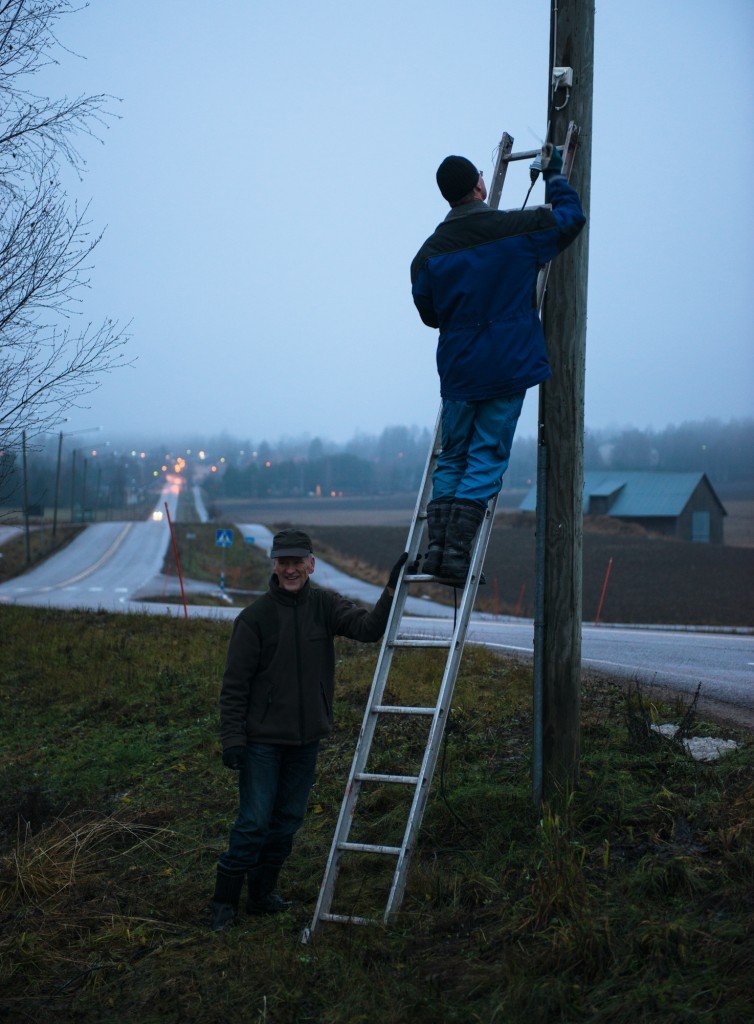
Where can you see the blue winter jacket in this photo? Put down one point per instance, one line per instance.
(475, 278)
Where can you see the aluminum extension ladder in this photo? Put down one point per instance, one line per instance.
(393, 640)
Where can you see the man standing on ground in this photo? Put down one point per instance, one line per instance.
(475, 279)
(276, 704)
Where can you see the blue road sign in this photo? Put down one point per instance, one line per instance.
(224, 538)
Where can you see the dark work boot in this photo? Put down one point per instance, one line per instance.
(465, 519)
(438, 516)
(224, 905)
(262, 897)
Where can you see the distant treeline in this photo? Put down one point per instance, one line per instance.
(121, 474)
(394, 461)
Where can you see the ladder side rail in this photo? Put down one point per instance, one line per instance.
(439, 720)
(382, 669)
(360, 757)
(501, 169)
(425, 486)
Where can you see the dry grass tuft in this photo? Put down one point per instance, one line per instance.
(43, 867)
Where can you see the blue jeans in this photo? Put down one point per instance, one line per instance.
(476, 447)
(274, 787)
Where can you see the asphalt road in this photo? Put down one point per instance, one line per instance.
(112, 565)
(105, 566)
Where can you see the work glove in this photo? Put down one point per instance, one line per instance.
(395, 572)
(234, 758)
(549, 162)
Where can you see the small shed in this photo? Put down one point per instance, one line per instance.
(682, 505)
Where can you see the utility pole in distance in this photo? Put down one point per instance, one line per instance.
(561, 416)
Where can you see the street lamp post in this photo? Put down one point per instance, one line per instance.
(57, 487)
(71, 433)
(83, 490)
(73, 481)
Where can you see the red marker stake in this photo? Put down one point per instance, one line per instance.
(602, 595)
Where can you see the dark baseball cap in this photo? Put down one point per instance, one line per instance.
(291, 544)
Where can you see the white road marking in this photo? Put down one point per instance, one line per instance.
(100, 561)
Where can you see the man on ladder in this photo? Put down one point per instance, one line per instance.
(475, 279)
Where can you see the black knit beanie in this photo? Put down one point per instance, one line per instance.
(456, 177)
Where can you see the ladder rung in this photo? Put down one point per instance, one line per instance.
(408, 780)
(527, 154)
(345, 919)
(424, 577)
(400, 709)
(420, 643)
(370, 848)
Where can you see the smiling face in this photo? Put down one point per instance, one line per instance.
(293, 571)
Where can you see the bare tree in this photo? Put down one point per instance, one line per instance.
(46, 363)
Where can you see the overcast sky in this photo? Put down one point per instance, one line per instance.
(271, 177)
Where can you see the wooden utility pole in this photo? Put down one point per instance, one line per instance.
(561, 417)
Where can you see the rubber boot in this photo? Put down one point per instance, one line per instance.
(224, 905)
(438, 516)
(262, 898)
(465, 519)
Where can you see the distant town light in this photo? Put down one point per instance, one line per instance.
(214, 469)
(143, 455)
(155, 473)
(94, 452)
(133, 451)
(157, 515)
(202, 455)
(267, 464)
(164, 469)
(222, 459)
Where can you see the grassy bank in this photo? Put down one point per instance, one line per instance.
(631, 905)
(42, 544)
(247, 568)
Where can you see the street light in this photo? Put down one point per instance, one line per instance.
(71, 433)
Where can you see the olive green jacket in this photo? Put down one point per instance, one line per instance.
(279, 675)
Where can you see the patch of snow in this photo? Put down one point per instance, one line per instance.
(701, 748)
